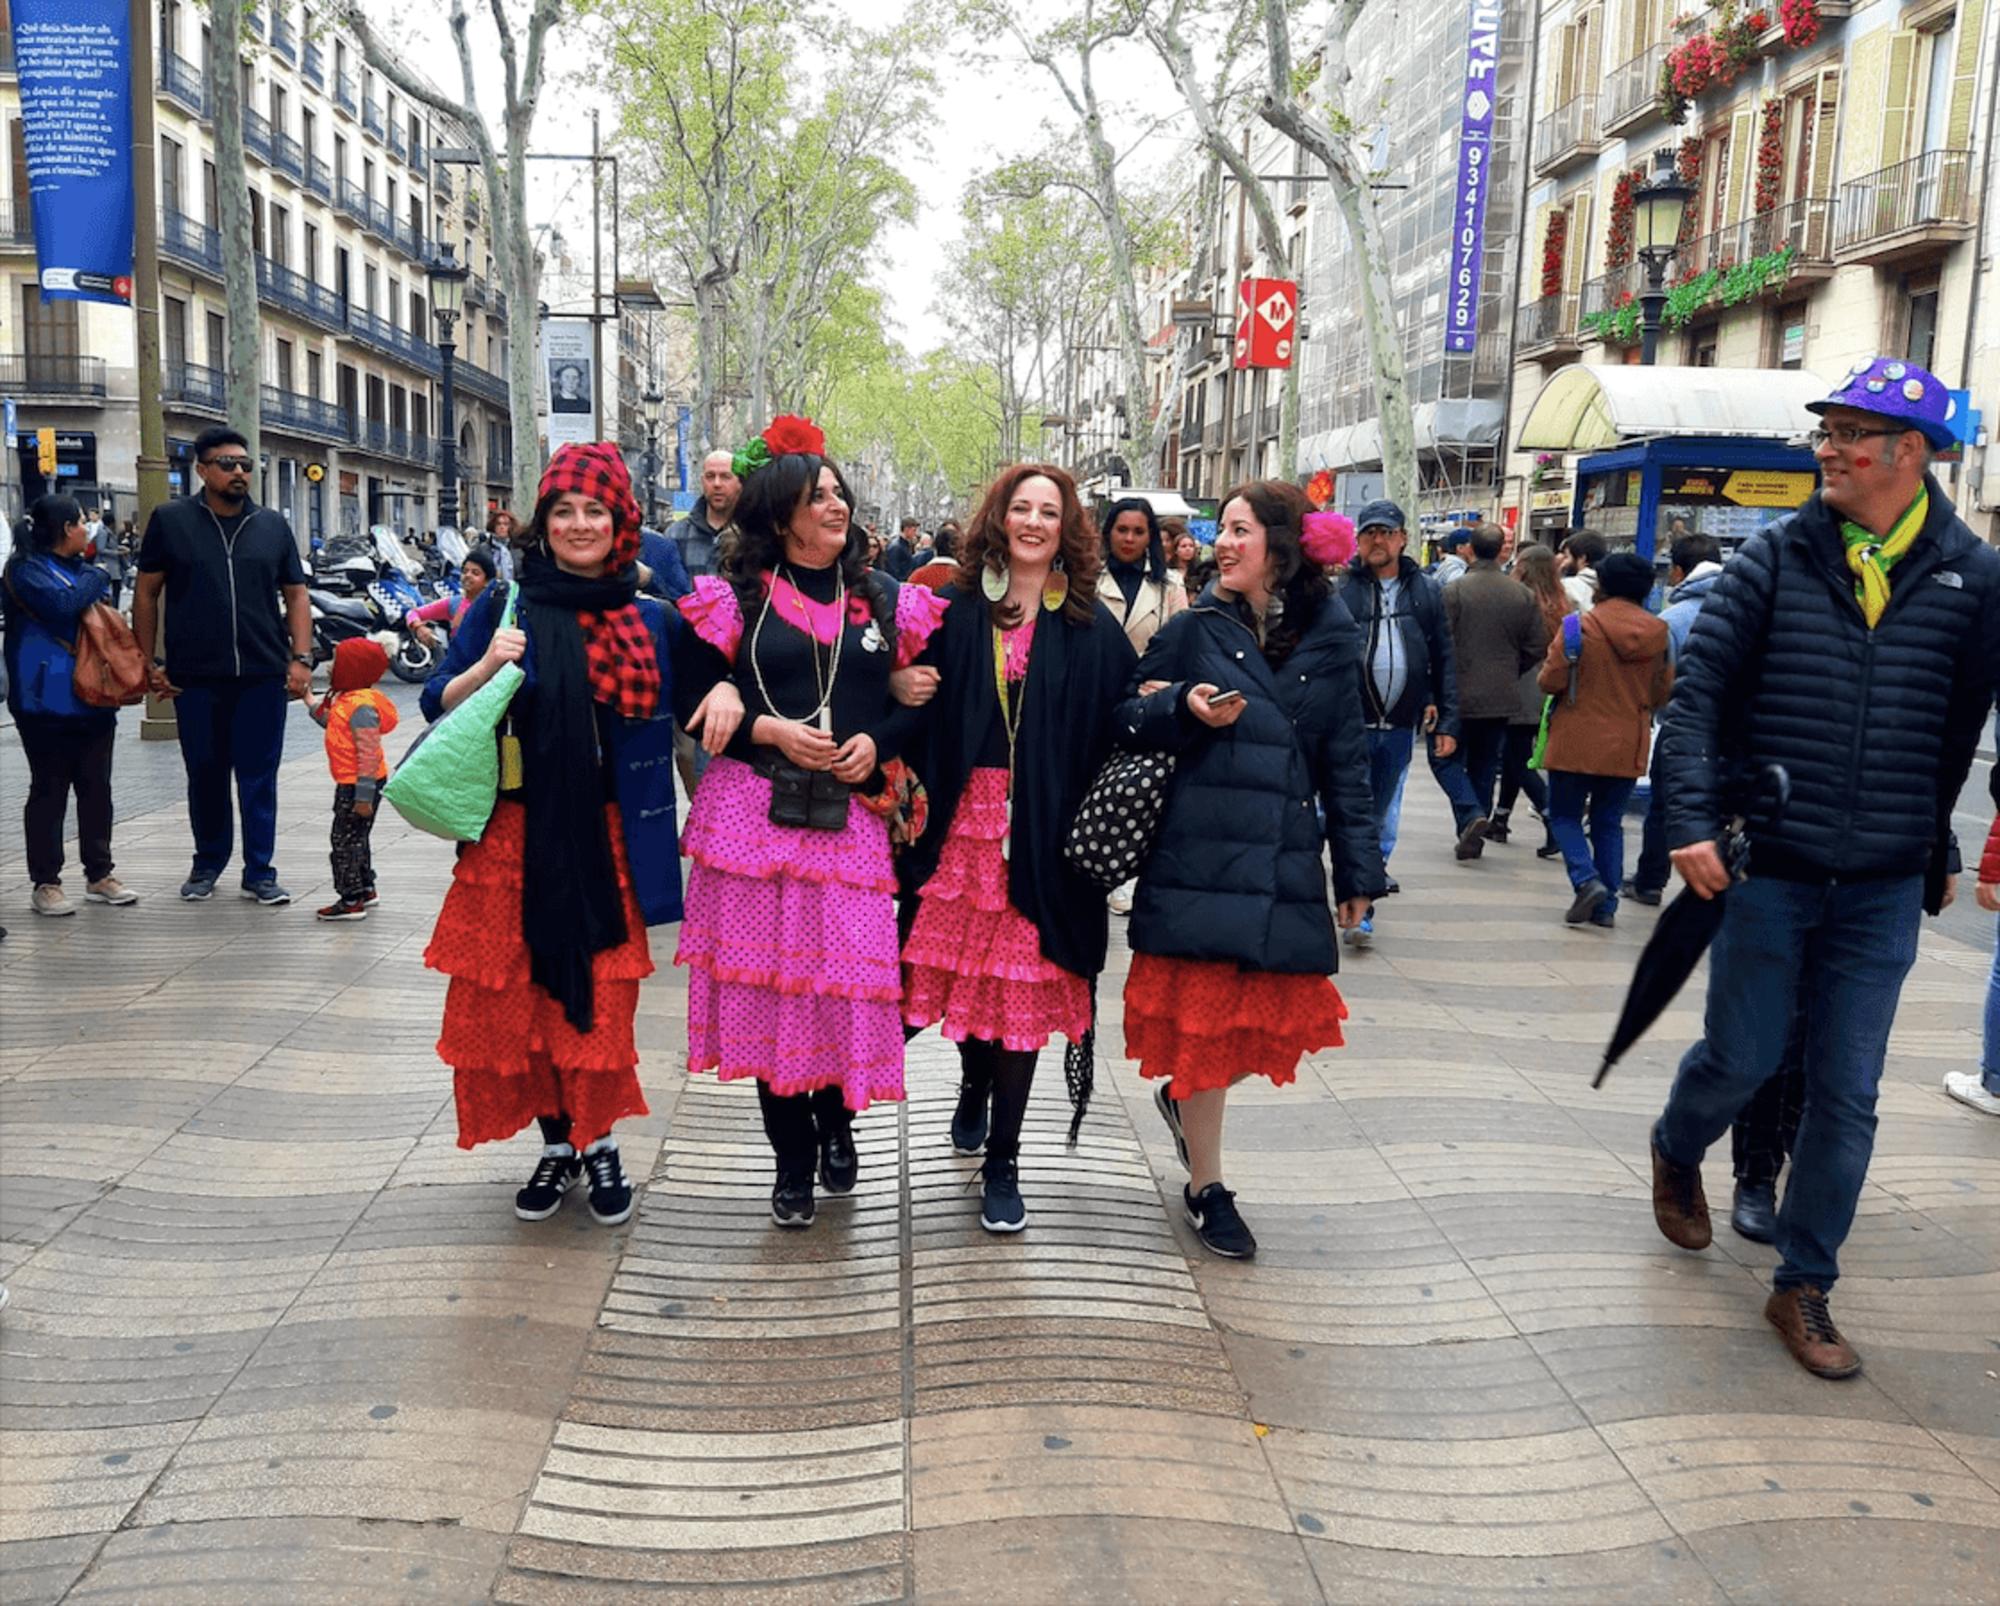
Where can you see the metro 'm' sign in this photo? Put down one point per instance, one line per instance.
(1267, 332)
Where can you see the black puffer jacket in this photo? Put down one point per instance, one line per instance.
(1236, 873)
(1877, 727)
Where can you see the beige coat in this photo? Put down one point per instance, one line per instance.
(1156, 603)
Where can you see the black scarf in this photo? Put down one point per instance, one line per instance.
(570, 904)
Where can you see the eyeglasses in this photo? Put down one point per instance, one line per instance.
(229, 465)
(1847, 435)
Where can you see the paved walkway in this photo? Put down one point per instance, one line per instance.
(273, 1337)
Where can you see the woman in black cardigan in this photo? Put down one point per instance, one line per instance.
(1232, 936)
(1007, 937)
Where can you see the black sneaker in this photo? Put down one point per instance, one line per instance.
(1212, 1214)
(1496, 828)
(344, 909)
(1000, 1206)
(610, 1193)
(554, 1176)
(792, 1199)
(969, 1120)
(1588, 897)
(1649, 896)
(839, 1165)
(1472, 840)
(1170, 1112)
(198, 888)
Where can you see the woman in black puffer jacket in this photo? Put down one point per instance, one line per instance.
(1232, 932)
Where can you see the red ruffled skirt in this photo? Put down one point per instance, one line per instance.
(513, 1054)
(974, 962)
(1206, 1022)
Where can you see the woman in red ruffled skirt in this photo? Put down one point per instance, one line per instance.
(1256, 690)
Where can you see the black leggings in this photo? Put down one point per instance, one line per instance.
(1011, 1075)
(795, 1122)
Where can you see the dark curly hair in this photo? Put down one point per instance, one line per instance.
(771, 495)
(1281, 508)
(1081, 548)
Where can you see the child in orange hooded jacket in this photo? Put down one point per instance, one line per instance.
(356, 717)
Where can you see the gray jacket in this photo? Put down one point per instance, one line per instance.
(700, 542)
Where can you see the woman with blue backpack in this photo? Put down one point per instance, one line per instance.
(68, 742)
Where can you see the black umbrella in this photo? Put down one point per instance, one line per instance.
(1688, 925)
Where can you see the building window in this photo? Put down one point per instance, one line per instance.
(1921, 320)
(173, 172)
(284, 365)
(1788, 337)
(1702, 347)
(315, 375)
(368, 282)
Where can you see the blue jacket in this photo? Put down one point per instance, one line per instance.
(669, 575)
(1684, 602)
(45, 597)
(641, 749)
(1238, 869)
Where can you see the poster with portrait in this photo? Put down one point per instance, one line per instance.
(566, 352)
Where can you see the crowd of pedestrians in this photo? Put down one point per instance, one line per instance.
(888, 746)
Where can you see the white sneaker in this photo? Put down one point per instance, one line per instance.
(110, 890)
(49, 900)
(1968, 1088)
(1120, 901)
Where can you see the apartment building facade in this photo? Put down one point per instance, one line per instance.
(348, 207)
(1840, 152)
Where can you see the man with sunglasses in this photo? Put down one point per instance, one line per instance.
(1856, 643)
(238, 647)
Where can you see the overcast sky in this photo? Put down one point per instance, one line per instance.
(983, 118)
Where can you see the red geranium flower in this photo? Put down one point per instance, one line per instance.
(791, 433)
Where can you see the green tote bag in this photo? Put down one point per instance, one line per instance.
(449, 779)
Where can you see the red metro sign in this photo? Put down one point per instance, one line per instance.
(1268, 329)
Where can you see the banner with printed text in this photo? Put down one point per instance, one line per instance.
(1475, 160)
(75, 64)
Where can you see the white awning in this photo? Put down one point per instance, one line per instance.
(1588, 407)
(1452, 425)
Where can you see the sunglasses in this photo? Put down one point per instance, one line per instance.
(229, 465)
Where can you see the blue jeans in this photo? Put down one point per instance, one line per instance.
(1388, 768)
(233, 727)
(1990, 1066)
(1840, 952)
(1602, 856)
(1457, 785)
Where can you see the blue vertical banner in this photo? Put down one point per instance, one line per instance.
(683, 427)
(1475, 174)
(75, 63)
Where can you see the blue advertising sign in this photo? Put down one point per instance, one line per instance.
(1475, 172)
(683, 427)
(75, 63)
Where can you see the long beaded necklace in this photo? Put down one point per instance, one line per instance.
(1011, 710)
(822, 713)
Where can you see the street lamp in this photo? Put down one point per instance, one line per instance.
(448, 276)
(1658, 209)
(651, 403)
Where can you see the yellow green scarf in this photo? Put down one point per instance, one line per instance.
(1871, 558)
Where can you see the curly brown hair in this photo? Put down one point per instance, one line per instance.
(1082, 555)
(1281, 507)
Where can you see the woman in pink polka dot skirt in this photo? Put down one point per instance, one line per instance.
(790, 933)
(1007, 936)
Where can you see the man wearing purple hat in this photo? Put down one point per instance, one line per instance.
(1855, 643)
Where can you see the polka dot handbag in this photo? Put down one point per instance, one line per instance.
(1119, 818)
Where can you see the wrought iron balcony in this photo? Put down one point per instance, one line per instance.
(441, 182)
(353, 202)
(256, 21)
(190, 242)
(181, 79)
(256, 134)
(187, 384)
(289, 156)
(1804, 226)
(371, 117)
(51, 374)
(312, 65)
(472, 380)
(293, 292)
(1917, 208)
(1632, 92)
(319, 178)
(472, 207)
(420, 160)
(397, 145)
(343, 93)
(1567, 134)
(1547, 327)
(386, 337)
(283, 39)
(17, 224)
(304, 415)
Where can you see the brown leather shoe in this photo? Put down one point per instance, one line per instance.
(1806, 1325)
(1679, 1205)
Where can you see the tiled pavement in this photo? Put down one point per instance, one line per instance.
(274, 1337)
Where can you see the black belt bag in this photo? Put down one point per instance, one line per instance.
(810, 800)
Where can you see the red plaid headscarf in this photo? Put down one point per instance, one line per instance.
(624, 669)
